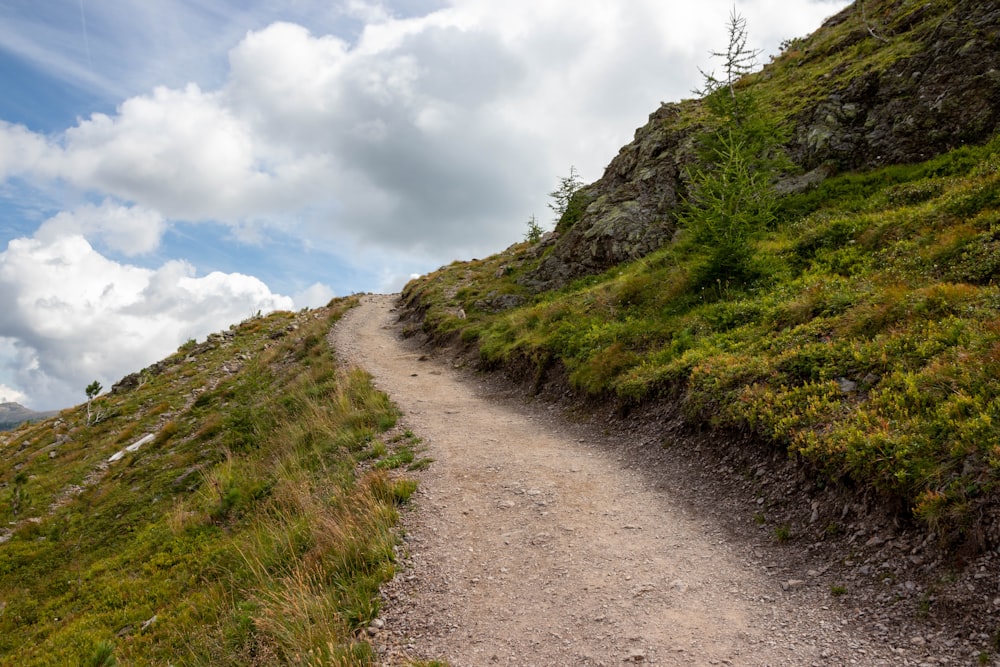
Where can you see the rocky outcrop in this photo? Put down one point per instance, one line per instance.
(931, 83)
(632, 208)
(946, 94)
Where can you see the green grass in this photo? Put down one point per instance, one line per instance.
(250, 530)
(868, 346)
(810, 68)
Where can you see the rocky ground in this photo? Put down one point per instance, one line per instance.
(546, 533)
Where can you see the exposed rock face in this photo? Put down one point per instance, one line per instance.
(633, 206)
(945, 94)
(497, 302)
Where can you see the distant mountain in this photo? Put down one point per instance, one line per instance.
(13, 414)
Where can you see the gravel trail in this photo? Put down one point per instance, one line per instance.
(534, 541)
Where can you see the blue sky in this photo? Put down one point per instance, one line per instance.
(169, 167)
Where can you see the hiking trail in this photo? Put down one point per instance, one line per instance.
(533, 540)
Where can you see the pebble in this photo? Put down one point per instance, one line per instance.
(636, 655)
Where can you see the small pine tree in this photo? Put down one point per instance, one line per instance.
(568, 185)
(738, 61)
(92, 390)
(534, 232)
(102, 656)
(730, 199)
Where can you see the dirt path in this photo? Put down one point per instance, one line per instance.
(534, 543)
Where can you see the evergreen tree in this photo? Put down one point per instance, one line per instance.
(738, 61)
(535, 230)
(568, 185)
(730, 198)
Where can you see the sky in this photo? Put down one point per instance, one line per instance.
(171, 167)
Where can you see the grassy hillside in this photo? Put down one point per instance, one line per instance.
(251, 522)
(868, 345)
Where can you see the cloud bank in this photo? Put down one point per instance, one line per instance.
(440, 131)
(74, 316)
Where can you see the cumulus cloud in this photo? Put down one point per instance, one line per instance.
(442, 131)
(130, 230)
(21, 151)
(8, 395)
(416, 154)
(76, 315)
(314, 296)
(186, 154)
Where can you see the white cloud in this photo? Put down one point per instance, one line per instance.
(21, 150)
(77, 316)
(181, 152)
(369, 12)
(442, 132)
(8, 395)
(314, 296)
(129, 230)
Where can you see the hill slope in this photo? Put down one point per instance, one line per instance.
(862, 338)
(927, 81)
(227, 505)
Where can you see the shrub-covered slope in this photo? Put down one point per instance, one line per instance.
(882, 82)
(866, 338)
(228, 505)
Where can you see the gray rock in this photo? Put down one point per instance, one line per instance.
(945, 95)
(847, 386)
(499, 302)
(635, 655)
(630, 212)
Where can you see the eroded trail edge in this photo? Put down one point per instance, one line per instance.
(534, 542)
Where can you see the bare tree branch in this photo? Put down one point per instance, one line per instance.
(871, 31)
